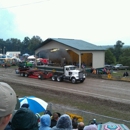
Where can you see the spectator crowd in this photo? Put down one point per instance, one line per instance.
(14, 117)
(24, 119)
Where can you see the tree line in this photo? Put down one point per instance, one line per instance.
(113, 55)
(118, 54)
(28, 45)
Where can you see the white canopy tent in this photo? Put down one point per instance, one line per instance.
(31, 57)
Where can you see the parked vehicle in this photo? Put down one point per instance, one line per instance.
(120, 67)
(107, 66)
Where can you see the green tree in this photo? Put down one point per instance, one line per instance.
(25, 44)
(118, 49)
(2, 43)
(34, 43)
(13, 44)
(109, 57)
(125, 57)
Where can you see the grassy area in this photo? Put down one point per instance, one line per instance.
(120, 73)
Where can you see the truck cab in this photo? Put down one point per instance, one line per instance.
(68, 70)
(70, 73)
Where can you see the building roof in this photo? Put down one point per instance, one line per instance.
(76, 44)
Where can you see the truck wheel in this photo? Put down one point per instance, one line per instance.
(81, 81)
(40, 77)
(73, 80)
(58, 79)
(26, 75)
(22, 74)
(53, 78)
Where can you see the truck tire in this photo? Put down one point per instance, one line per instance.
(22, 74)
(53, 78)
(40, 77)
(73, 80)
(58, 79)
(26, 75)
(81, 81)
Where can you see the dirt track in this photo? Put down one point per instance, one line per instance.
(103, 89)
(107, 95)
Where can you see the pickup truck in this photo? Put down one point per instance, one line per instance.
(120, 67)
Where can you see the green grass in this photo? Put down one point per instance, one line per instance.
(118, 74)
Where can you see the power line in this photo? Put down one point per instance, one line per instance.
(15, 6)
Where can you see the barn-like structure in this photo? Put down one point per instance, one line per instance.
(72, 51)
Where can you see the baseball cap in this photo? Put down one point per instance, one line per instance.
(7, 99)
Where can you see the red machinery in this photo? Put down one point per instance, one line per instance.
(26, 71)
(34, 73)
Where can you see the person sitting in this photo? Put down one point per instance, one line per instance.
(104, 70)
(64, 122)
(24, 119)
(108, 71)
(45, 122)
(7, 104)
(94, 71)
(125, 74)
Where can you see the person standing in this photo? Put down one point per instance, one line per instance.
(64, 123)
(45, 122)
(54, 119)
(80, 125)
(91, 127)
(24, 119)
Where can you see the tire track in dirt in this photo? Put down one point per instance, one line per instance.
(12, 77)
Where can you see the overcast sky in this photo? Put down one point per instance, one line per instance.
(101, 22)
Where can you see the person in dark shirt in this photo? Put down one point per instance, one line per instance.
(54, 119)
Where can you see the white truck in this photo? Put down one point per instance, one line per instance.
(70, 73)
